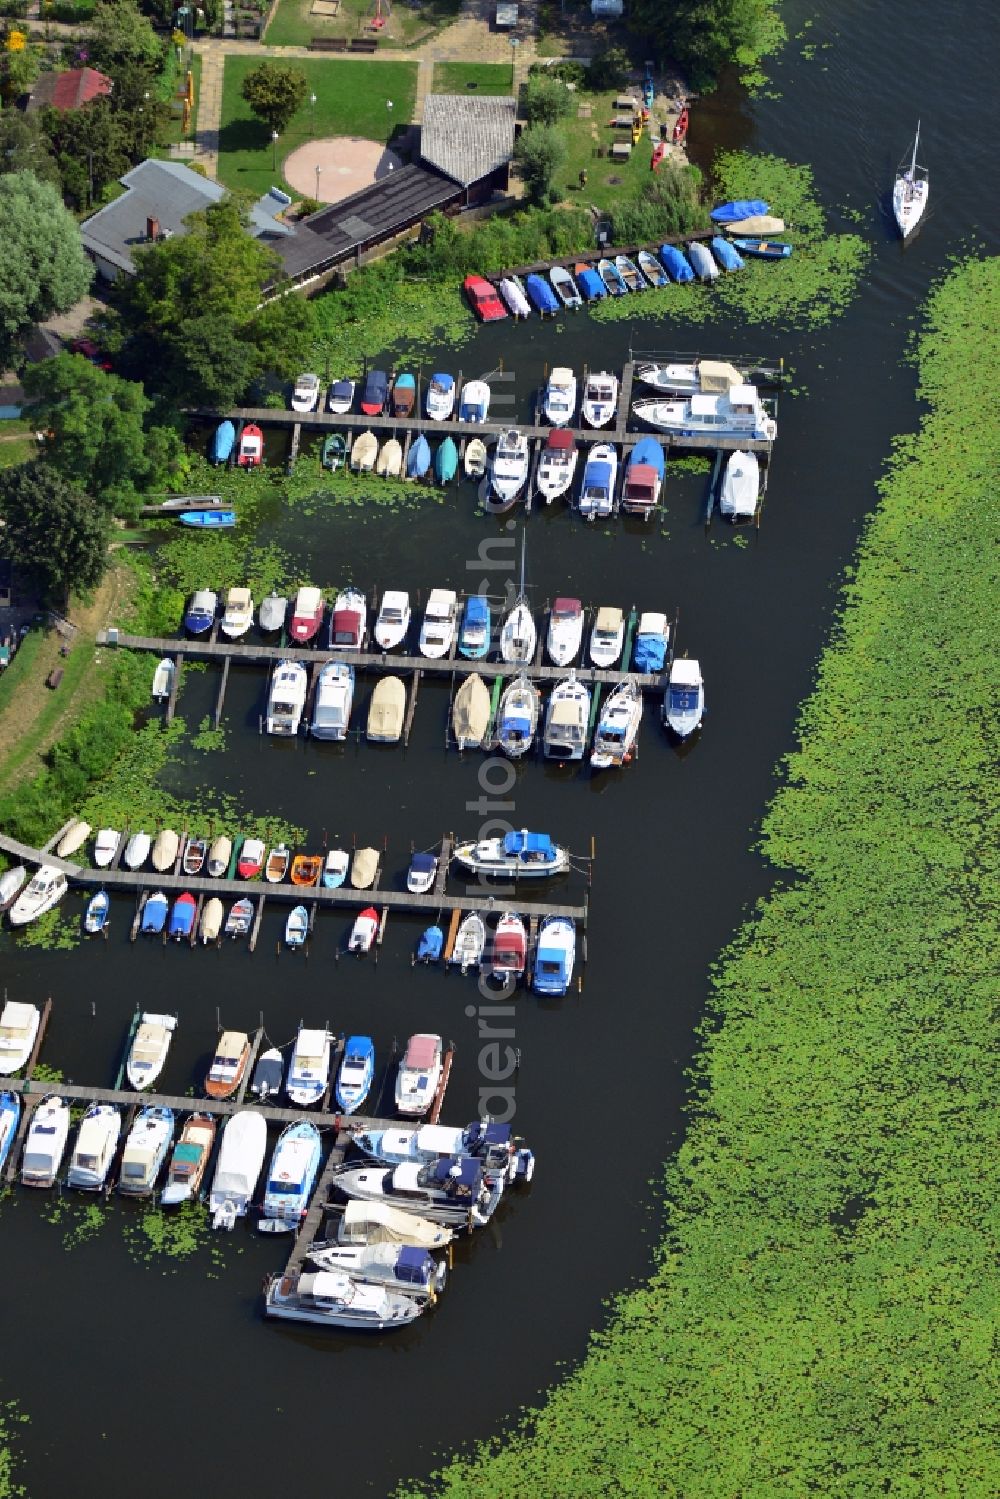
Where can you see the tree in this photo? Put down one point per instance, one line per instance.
(43, 266)
(99, 437)
(539, 154)
(610, 69)
(19, 67)
(89, 147)
(122, 38)
(51, 530)
(24, 147)
(275, 92)
(545, 100)
(704, 35)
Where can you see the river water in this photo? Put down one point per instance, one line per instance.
(165, 1376)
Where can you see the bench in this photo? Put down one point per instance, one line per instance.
(363, 44)
(54, 677)
(328, 44)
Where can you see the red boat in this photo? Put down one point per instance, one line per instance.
(681, 128)
(251, 450)
(510, 948)
(307, 615)
(251, 860)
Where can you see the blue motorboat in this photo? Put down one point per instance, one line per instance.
(592, 288)
(355, 1074)
(97, 913)
(729, 258)
(474, 636)
(742, 208)
(430, 945)
(209, 520)
(541, 296)
(764, 249)
(701, 260)
(10, 1118)
(154, 914)
(200, 614)
(555, 956)
(291, 1177)
(418, 460)
(182, 916)
(674, 263)
(223, 442)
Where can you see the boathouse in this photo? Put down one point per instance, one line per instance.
(470, 138)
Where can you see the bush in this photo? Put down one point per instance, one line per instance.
(667, 204)
(16, 10)
(545, 101)
(609, 70)
(566, 72)
(539, 154)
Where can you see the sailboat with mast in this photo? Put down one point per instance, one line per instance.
(910, 191)
(518, 635)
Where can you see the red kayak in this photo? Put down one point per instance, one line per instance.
(681, 128)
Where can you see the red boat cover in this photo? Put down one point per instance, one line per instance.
(421, 1051)
(640, 481)
(186, 899)
(563, 608)
(560, 439)
(371, 913)
(346, 626)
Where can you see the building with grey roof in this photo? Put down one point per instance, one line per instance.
(470, 138)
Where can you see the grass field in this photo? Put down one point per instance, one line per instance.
(295, 26)
(607, 181)
(17, 442)
(351, 99)
(472, 77)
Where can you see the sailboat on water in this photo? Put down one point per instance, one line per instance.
(910, 191)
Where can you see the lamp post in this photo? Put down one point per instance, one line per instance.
(318, 170)
(274, 150)
(312, 114)
(515, 42)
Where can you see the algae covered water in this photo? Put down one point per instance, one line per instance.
(132, 1362)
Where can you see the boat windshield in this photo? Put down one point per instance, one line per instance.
(283, 1188)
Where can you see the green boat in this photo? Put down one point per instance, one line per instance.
(334, 451)
(446, 462)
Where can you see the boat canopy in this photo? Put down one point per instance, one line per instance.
(422, 1051)
(527, 843)
(684, 672)
(566, 608)
(742, 208)
(423, 863)
(343, 390)
(551, 960)
(609, 621)
(516, 724)
(443, 382)
(728, 258)
(477, 610)
(458, 1171)
(599, 474)
(591, 284)
(560, 439)
(346, 627)
(414, 1266)
(640, 482)
(489, 1133)
(715, 377)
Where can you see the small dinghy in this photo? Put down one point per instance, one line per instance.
(684, 700)
(609, 274)
(476, 458)
(355, 1074)
(96, 1144)
(418, 460)
(154, 914)
(241, 1157)
(306, 869)
(740, 487)
(182, 916)
(555, 956)
(149, 1048)
(421, 873)
(223, 442)
(335, 868)
(630, 273)
(597, 488)
(430, 944)
(470, 941)
(607, 637)
(334, 452)
(220, 851)
(165, 850)
(145, 1151)
(446, 461)
(740, 210)
(364, 868)
(276, 868)
(189, 1160)
(470, 714)
(440, 401)
(761, 224)
(73, 839)
(291, 1177)
(364, 931)
(268, 1075)
(419, 1074)
(404, 395)
(474, 634)
(195, 854)
(212, 916)
(513, 294)
(509, 948)
(297, 926)
(208, 520)
(98, 912)
(518, 714)
(390, 459)
(651, 269)
(240, 918)
(163, 680)
(728, 257)
(591, 286)
(678, 268)
(600, 399)
(764, 249)
(617, 727)
(567, 721)
(559, 398)
(364, 452)
(45, 1145)
(232, 1053)
(518, 635)
(105, 849)
(557, 465)
(565, 288)
(681, 127)
(541, 296)
(341, 397)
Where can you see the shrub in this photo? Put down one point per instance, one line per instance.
(545, 100)
(608, 70)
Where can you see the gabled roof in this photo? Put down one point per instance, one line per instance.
(163, 190)
(467, 136)
(68, 90)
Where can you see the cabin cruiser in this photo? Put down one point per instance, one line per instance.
(737, 412)
(559, 400)
(565, 632)
(474, 635)
(520, 855)
(518, 714)
(393, 620)
(18, 1028)
(268, 1075)
(557, 465)
(386, 711)
(200, 614)
(307, 615)
(145, 1151)
(475, 403)
(305, 393)
(441, 398)
(437, 633)
(45, 890)
(491, 1143)
(309, 1069)
(705, 375)
(518, 635)
(241, 1156)
(509, 948)
(232, 1055)
(455, 1190)
(652, 641)
(331, 1299)
(597, 489)
(509, 469)
(617, 727)
(291, 1176)
(287, 699)
(600, 399)
(46, 1142)
(189, 1160)
(377, 1223)
(355, 1074)
(470, 940)
(740, 487)
(94, 1151)
(149, 1048)
(607, 637)
(567, 720)
(684, 699)
(240, 918)
(349, 621)
(238, 615)
(471, 712)
(419, 1074)
(331, 716)
(643, 478)
(554, 956)
(399, 1267)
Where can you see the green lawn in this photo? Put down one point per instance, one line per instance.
(294, 25)
(350, 100)
(607, 181)
(472, 77)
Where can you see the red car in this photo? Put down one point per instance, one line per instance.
(89, 350)
(483, 299)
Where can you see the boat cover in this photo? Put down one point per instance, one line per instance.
(742, 208)
(675, 263)
(414, 1266)
(598, 474)
(477, 610)
(609, 621)
(729, 258)
(458, 1171)
(364, 867)
(431, 942)
(527, 843)
(541, 294)
(419, 458)
(422, 1051)
(422, 863)
(762, 224)
(516, 724)
(650, 653)
(649, 452)
(560, 439)
(345, 627)
(702, 260)
(591, 285)
(565, 608)
(343, 391)
(375, 387)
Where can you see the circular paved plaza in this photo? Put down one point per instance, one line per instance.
(347, 163)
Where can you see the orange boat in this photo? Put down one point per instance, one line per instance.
(228, 1065)
(306, 869)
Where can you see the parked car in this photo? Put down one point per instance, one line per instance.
(483, 299)
(89, 350)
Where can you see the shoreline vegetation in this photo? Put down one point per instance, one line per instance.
(821, 1316)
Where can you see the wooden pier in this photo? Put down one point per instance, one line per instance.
(313, 1220)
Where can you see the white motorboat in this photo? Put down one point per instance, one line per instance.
(419, 1074)
(212, 916)
(163, 679)
(349, 621)
(708, 375)
(422, 873)
(475, 401)
(296, 927)
(106, 846)
(440, 402)
(684, 699)
(287, 698)
(617, 727)
(96, 1143)
(386, 711)
(515, 297)
(145, 1151)
(45, 890)
(149, 1048)
(18, 1028)
(238, 616)
(607, 637)
(397, 1267)
(220, 852)
(567, 720)
(166, 847)
(740, 487)
(437, 632)
(455, 1190)
(393, 620)
(12, 880)
(327, 1298)
(515, 855)
(597, 488)
(737, 412)
(484, 1139)
(137, 850)
(306, 393)
(517, 717)
(46, 1143)
(565, 632)
(291, 1176)
(341, 397)
(309, 1069)
(475, 459)
(559, 399)
(508, 469)
(241, 1157)
(363, 931)
(377, 1223)
(557, 465)
(555, 956)
(518, 635)
(470, 713)
(335, 867)
(600, 399)
(910, 191)
(470, 941)
(331, 715)
(268, 1075)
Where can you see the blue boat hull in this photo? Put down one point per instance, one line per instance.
(648, 450)
(209, 520)
(10, 1118)
(154, 917)
(223, 442)
(419, 460)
